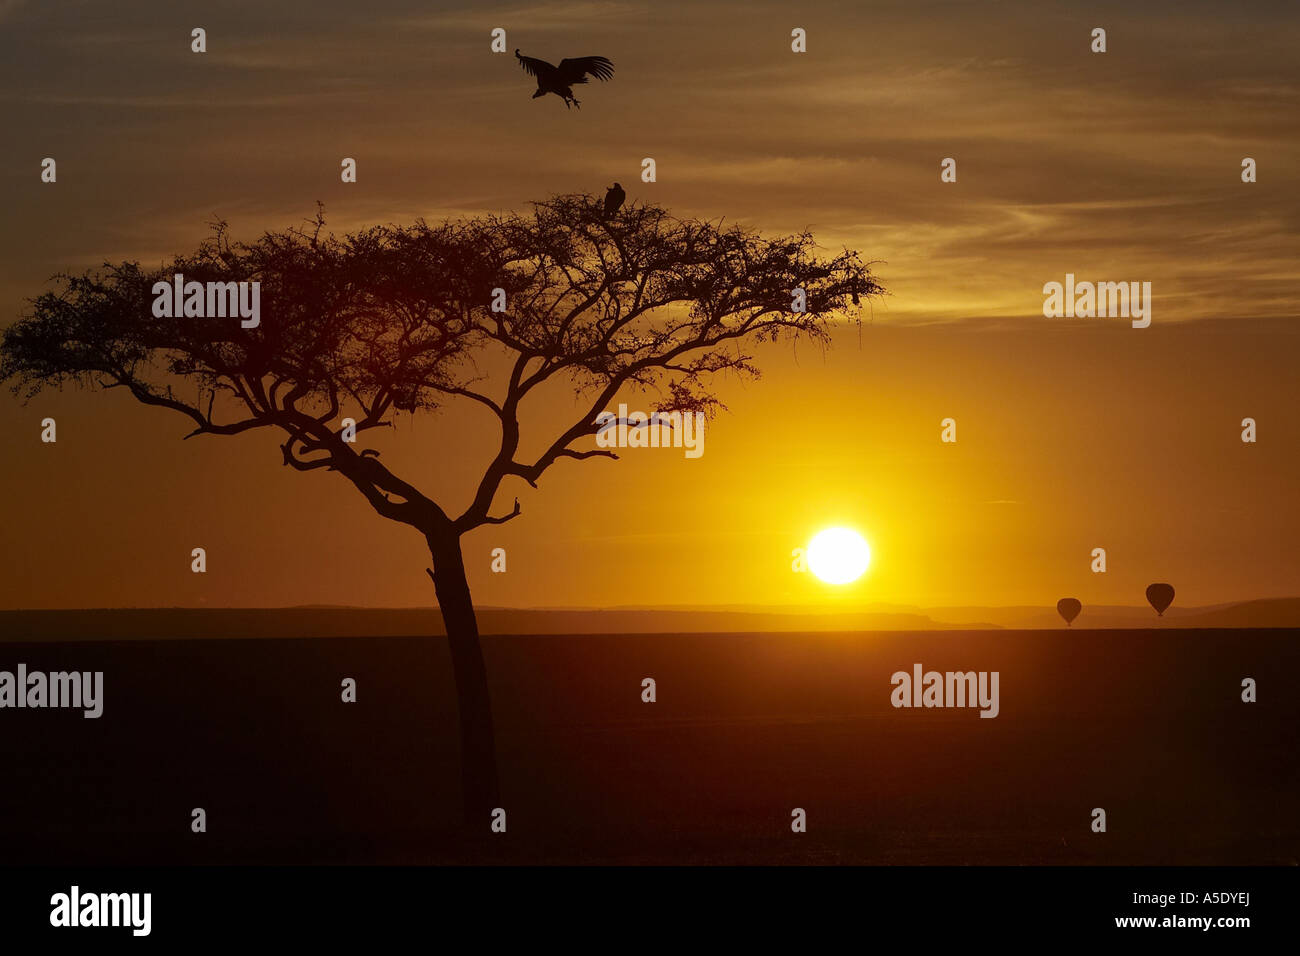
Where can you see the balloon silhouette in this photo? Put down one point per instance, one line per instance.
(1069, 609)
(1160, 596)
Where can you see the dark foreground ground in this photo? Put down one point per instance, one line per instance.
(1146, 724)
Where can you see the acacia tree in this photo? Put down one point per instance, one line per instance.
(393, 320)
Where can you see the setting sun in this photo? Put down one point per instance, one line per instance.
(838, 555)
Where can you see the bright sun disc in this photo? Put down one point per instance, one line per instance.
(838, 555)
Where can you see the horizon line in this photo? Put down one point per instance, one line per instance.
(694, 608)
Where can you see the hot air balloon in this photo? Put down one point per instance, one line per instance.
(1069, 609)
(1160, 596)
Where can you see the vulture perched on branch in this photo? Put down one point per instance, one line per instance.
(560, 79)
(614, 197)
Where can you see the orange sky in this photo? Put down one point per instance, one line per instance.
(1073, 434)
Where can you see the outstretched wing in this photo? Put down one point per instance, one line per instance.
(575, 69)
(535, 67)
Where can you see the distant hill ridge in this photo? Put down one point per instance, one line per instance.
(335, 621)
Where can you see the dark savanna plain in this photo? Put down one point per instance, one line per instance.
(747, 726)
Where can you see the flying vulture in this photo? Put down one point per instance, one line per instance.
(614, 197)
(560, 79)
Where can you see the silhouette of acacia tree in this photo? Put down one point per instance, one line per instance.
(399, 319)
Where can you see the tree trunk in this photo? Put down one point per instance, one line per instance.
(478, 759)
